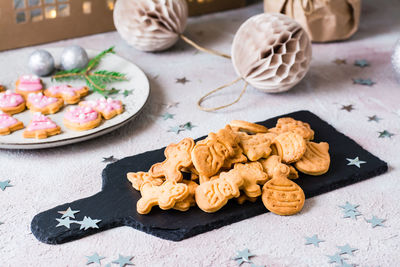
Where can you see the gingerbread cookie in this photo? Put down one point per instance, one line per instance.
(253, 175)
(11, 103)
(210, 154)
(177, 157)
(316, 160)
(108, 108)
(282, 196)
(165, 196)
(214, 194)
(189, 201)
(41, 127)
(248, 127)
(81, 118)
(290, 146)
(8, 124)
(291, 125)
(137, 179)
(273, 161)
(37, 102)
(256, 146)
(27, 84)
(71, 95)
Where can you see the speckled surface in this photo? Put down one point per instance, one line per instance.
(45, 178)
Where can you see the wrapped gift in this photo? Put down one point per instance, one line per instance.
(324, 20)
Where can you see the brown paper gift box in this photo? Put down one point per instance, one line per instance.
(324, 20)
(31, 22)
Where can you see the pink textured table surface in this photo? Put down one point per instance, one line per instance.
(45, 178)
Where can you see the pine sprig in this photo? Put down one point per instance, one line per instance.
(95, 80)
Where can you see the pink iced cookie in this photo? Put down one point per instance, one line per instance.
(8, 124)
(38, 102)
(41, 127)
(107, 107)
(27, 84)
(11, 103)
(69, 94)
(81, 118)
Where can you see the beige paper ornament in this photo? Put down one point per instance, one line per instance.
(271, 52)
(150, 25)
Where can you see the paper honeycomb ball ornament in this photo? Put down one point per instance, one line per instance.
(150, 25)
(271, 52)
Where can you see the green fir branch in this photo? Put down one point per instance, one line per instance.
(94, 62)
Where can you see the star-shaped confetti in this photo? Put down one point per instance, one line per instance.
(351, 214)
(5, 184)
(65, 222)
(385, 134)
(339, 61)
(348, 108)
(113, 91)
(88, 222)
(122, 261)
(374, 118)
(356, 162)
(167, 116)
(68, 213)
(336, 258)
(182, 80)
(95, 258)
(188, 126)
(348, 207)
(375, 221)
(243, 256)
(172, 104)
(313, 240)
(361, 63)
(367, 82)
(176, 129)
(346, 249)
(1, 223)
(127, 93)
(109, 159)
(255, 265)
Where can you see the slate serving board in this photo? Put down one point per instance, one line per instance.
(115, 204)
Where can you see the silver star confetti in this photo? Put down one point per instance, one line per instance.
(367, 82)
(88, 222)
(385, 134)
(188, 126)
(5, 184)
(339, 61)
(172, 104)
(348, 108)
(349, 206)
(313, 240)
(95, 258)
(167, 116)
(336, 258)
(182, 80)
(68, 213)
(243, 256)
(375, 221)
(346, 249)
(356, 162)
(374, 118)
(65, 222)
(361, 63)
(122, 261)
(351, 214)
(109, 159)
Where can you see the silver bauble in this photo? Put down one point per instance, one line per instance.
(74, 57)
(396, 60)
(41, 63)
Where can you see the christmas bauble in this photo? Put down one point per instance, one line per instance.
(150, 25)
(396, 60)
(41, 63)
(74, 57)
(271, 52)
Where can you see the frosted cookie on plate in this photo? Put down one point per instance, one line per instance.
(41, 127)
(81, 118)
(37, 102)
(11, 103)
(8, 124)
(70, 94)
(27, 84)
(108, 108)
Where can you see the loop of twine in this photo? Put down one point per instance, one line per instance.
(201, 100)
(187, 40)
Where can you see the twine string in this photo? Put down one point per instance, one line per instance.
(216, 53)
(201, 100)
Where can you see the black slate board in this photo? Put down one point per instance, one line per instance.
(115, 205)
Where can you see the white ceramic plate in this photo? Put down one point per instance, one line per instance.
(17, 65)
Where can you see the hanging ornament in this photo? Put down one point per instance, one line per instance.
(271, 52)
(396, 60)
(41, 63)
(74, 57)
(154, 25)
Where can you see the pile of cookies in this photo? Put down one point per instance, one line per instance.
(29, 93)
(242, 161)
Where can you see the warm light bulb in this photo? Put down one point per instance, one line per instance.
(110, 4)
(53, 14)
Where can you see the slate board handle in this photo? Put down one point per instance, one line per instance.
(99, 206)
